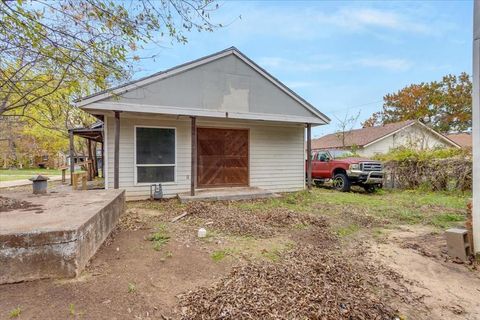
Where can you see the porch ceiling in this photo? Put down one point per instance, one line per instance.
(90, 134)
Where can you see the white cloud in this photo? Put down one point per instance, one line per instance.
(315, 64)
(363, 19)
(300, 84)
(317, 22)
(384, 63)
(293, 65)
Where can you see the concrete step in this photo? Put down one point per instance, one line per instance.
(227, 194)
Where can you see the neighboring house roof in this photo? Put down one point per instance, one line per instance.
(367, 136)
(463, 139)
(193, 64)
(358, 137)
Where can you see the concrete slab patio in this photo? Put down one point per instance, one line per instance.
(54, 235)
(225, 194)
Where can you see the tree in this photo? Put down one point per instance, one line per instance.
(83, 44)
(446, 104)
(53, 52)
(346, 125)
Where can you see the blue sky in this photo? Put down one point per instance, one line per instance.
(341, 56)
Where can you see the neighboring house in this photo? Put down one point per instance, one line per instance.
(219, 121)
(463, 139)
(381, 139)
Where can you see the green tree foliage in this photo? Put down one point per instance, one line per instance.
(83, 44)
(406, 154)
(52, 52)
(446, 103)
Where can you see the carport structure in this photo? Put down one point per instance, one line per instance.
(93, 134)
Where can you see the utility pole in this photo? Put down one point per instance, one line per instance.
(476, 128)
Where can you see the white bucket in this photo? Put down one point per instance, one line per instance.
(202, 233)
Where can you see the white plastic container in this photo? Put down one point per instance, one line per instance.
(202, 233)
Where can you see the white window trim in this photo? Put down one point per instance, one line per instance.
(135, 166)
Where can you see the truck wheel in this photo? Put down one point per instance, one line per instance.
(370, 188)
(340, 182)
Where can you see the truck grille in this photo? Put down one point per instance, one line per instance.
(371, 166)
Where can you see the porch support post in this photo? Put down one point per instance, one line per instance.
(72, 154)
(103, 157)
(116, 159)
(309, 156)
(193, 175)
(476, 129)
(95, 166)
(90, 167)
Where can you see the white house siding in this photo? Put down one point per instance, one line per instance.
(276, 154)
(411, 137)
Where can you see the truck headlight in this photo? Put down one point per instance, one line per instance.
(355, 166)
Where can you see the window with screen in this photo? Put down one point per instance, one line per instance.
(155, 155)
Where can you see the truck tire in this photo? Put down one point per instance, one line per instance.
(340, 182)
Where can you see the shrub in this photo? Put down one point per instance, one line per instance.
(406, 154)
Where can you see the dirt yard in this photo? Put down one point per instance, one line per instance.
(319, 255)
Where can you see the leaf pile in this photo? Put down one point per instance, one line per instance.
(308, 283)
(251, 223)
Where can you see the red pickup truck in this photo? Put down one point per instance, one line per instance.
(346, 172)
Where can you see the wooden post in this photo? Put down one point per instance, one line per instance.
(72, 152)
(193, 176)
(95, 160)
(116, 159)
(103, 158)
(309, 156)
(90, 167)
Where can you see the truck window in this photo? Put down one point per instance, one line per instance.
(323, 156)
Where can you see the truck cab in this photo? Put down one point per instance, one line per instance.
(346, 172)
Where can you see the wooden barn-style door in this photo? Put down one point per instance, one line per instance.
(222, 157)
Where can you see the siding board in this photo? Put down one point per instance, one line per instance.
(276, 154)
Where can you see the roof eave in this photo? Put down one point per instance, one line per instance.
(105, 108)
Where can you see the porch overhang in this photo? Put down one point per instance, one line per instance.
(107, 108)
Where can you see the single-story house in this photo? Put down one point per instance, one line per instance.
(220, 121)
(381, 139)
(463, 139)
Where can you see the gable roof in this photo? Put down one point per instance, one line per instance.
(463, 139)
(366, 136)
(102, 95)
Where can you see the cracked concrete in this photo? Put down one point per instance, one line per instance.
(59, 237)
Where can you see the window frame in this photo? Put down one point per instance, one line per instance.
(320, 153)
(135, 165)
